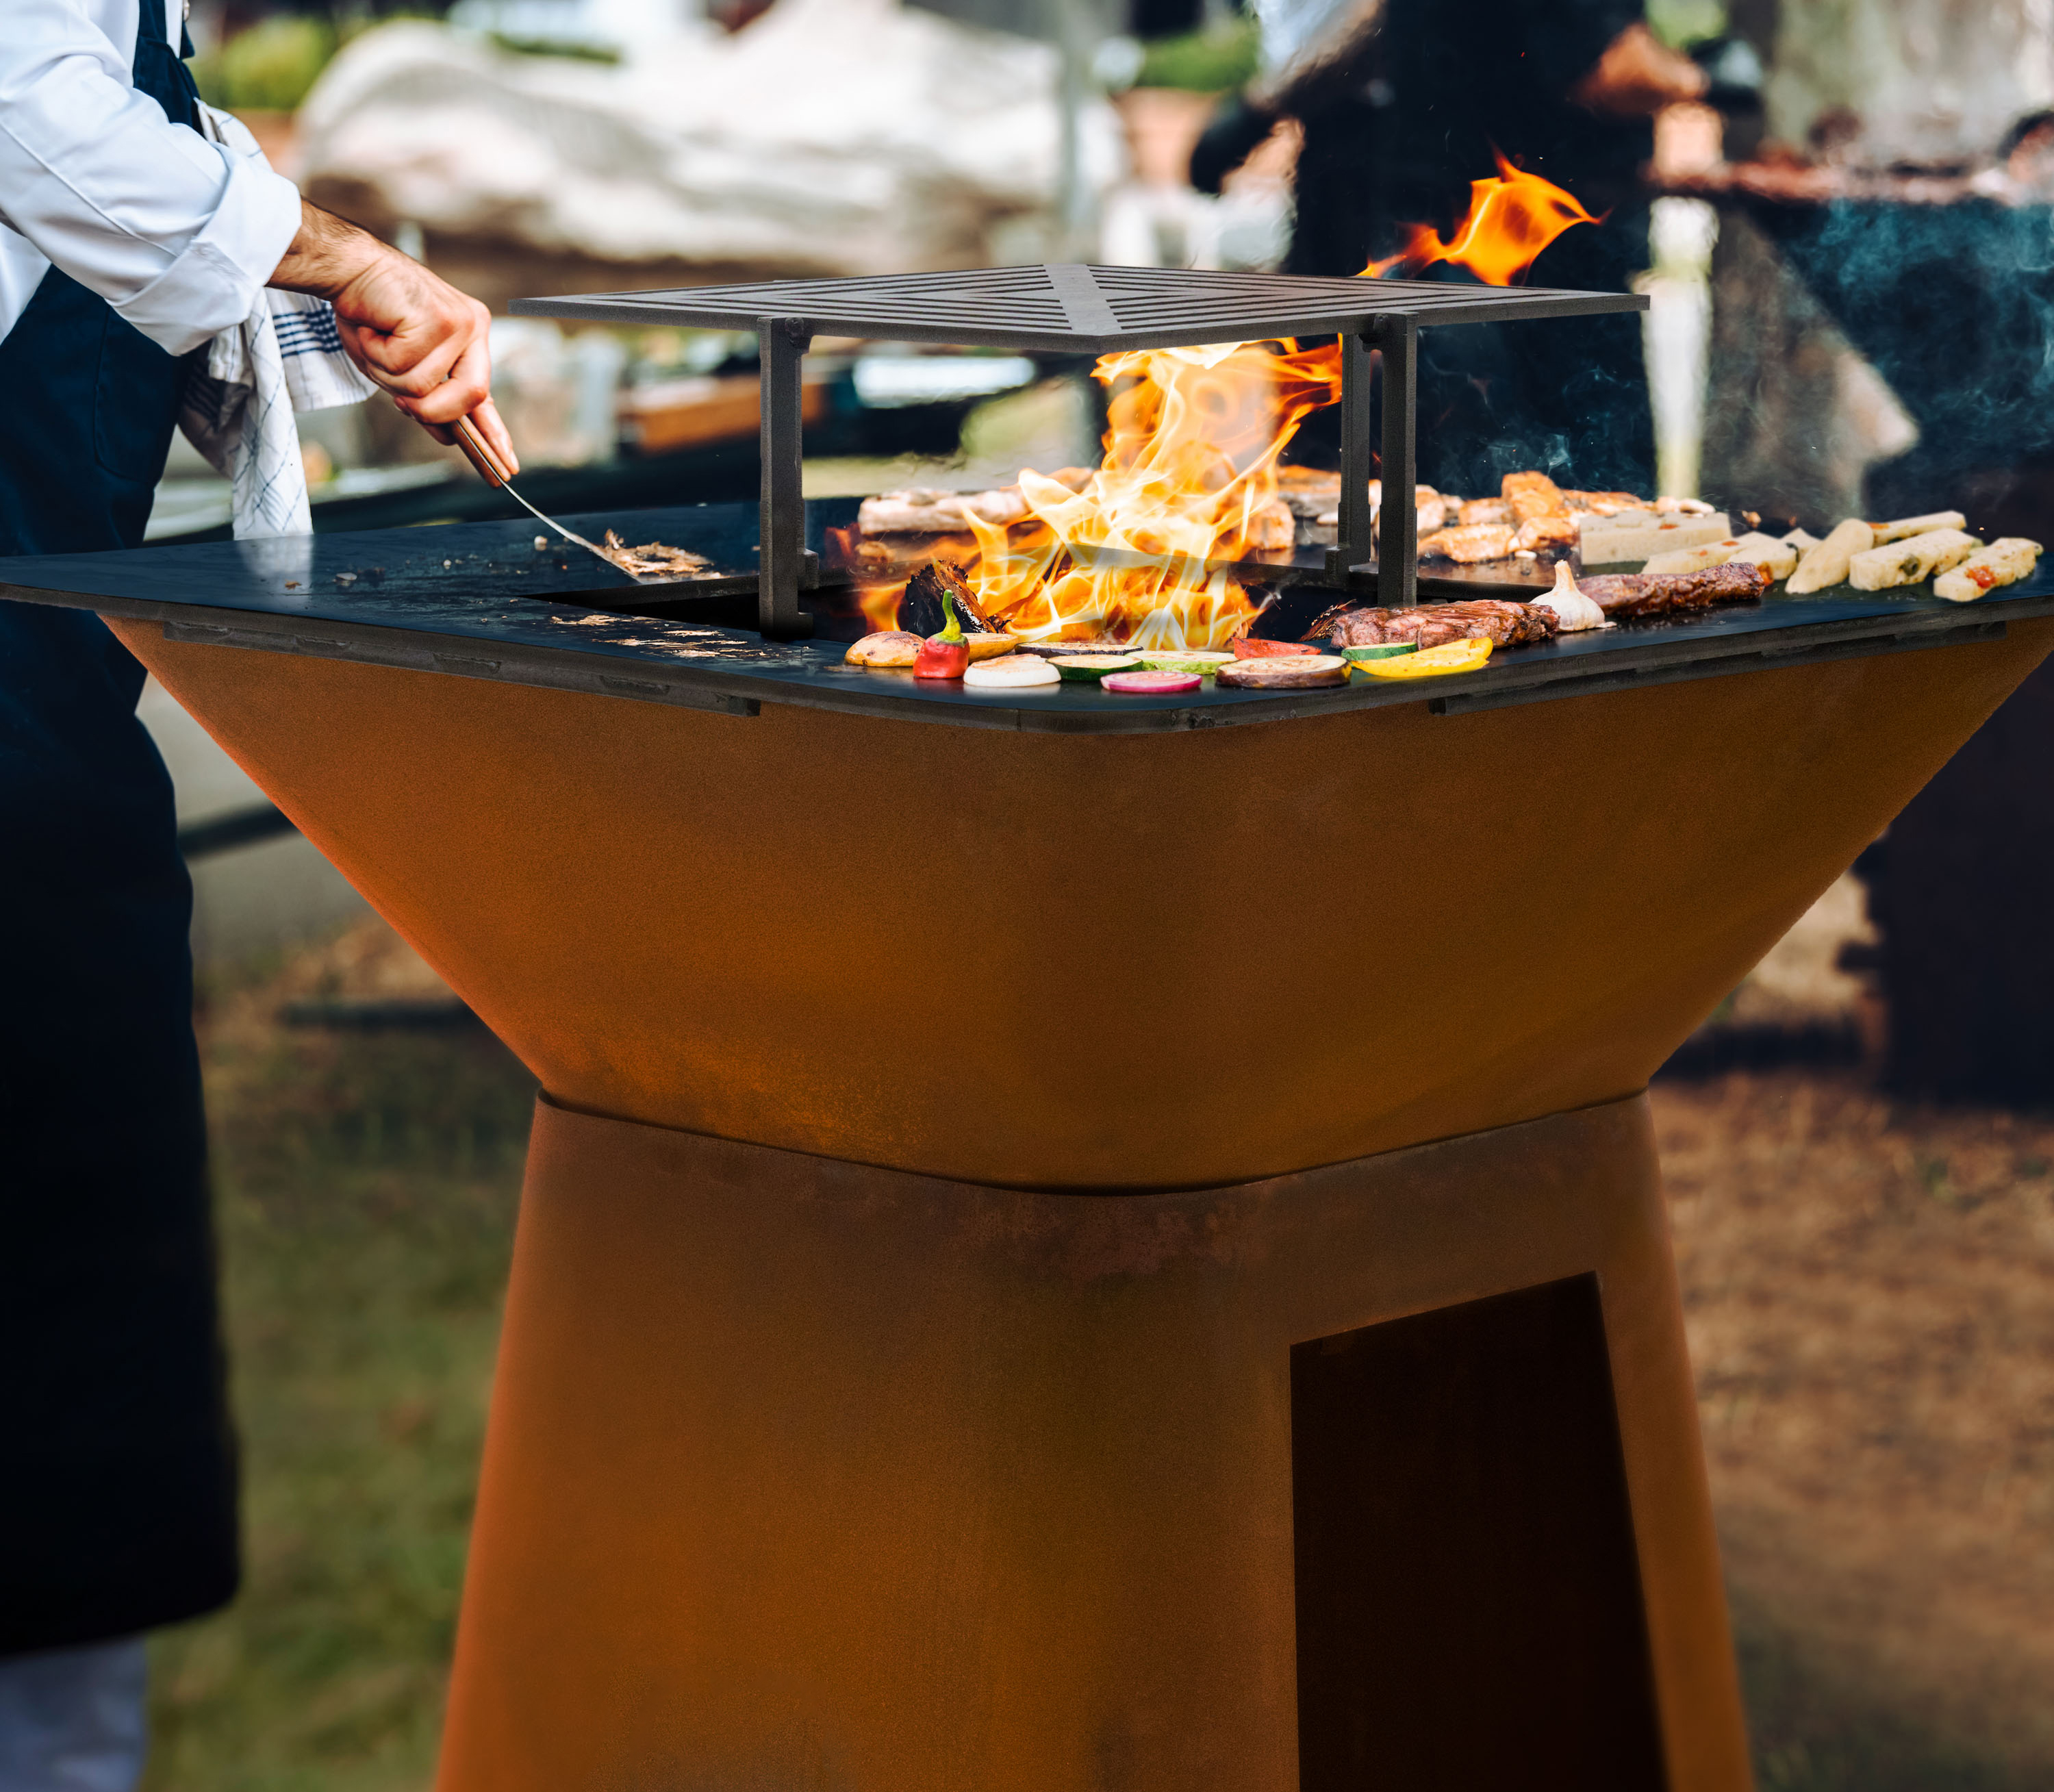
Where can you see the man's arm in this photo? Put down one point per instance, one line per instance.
(1638, 75)
(413, 334)
(174, 232)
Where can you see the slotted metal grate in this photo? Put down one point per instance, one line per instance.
(1079, 309)
(1072, 309)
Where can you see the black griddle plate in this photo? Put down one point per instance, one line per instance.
(477, 600)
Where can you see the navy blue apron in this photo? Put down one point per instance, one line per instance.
(117, 1465)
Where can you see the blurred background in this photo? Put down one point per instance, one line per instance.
(1851, 263)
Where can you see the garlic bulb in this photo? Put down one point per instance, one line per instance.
(1576, 610)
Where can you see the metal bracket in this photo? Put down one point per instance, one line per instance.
(1398, 531)
(784, 565)
(1395, 341)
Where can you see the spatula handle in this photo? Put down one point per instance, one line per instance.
(479, 452)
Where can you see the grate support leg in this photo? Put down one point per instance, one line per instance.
(1398, 533)
(784, 564)
(1358, 463)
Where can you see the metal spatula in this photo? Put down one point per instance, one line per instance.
(493, 472)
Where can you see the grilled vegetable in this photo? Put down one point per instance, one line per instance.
(1906, 527)
(1433, 662)
(1576, 611)
(1777, 559)
(890, 647)
(1693, 560)
(1204, 661)
(1015, 671)
(945, 654)
(1285, 675)
(1150, 684)
(988, 647)
(1383, 650)
(1826, 563)
(1250, 647)
(2001, 563)
(1911, 561)
(1089, 669)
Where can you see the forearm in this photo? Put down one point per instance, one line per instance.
(327, 255)
(416, 336)
(1638, 75)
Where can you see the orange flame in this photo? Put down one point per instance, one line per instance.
(1512, 216)
(1189, 480)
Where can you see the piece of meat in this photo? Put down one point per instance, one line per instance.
(1603, 503)
(1271, 529)
(1470, 546)
(1643, 596)
(652, 559)
(1537, 532)
(1497, 620)
(922, 512)
(920, 608)
(1309, 490)
(1533, 494)
(1478, 511)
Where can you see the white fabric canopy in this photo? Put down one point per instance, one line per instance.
(832, 136)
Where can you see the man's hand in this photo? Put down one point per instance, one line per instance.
(417, 336)
(1638, 75)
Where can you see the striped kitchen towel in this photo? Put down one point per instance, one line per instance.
(238, 402)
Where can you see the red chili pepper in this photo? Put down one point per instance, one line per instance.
(1252, 646)
(945, 655)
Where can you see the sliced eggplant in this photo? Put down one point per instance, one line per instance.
(1297, 674)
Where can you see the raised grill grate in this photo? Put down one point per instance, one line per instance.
(1076, 309)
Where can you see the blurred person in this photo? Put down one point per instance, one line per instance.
(127, 240)
(1402, 105)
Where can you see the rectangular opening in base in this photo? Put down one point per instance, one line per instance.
(1469, 1601)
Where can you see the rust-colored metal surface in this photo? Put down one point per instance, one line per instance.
(803, 1474)
(1141, 962)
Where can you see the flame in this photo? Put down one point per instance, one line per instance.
(1189, 479)
(881, 605)
(1512, 216)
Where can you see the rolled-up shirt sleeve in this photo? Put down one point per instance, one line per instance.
(177, 233)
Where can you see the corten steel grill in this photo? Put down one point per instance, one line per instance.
(1028, 1279)
(1075, 309)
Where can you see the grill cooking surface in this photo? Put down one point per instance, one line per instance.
(1079, 309)
(476, 600)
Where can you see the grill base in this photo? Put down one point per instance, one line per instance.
(803, 1473)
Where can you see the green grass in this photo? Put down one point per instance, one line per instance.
(1811, 1731)
(366, 1190)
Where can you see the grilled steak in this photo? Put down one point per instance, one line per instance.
(1644, 596)
(1505, 624)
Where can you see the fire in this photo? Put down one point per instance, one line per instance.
(1512, 216)
(1189, 479)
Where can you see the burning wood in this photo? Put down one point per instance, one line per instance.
(920, 609)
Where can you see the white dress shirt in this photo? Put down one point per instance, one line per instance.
(175, 232)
